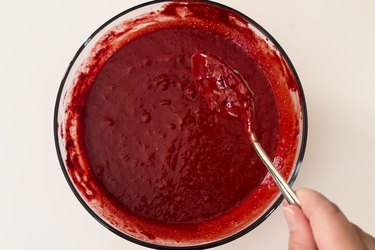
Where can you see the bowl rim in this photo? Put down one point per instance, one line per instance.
(227, 239)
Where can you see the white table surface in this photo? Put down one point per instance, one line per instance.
(331, 44)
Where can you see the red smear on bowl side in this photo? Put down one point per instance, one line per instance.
(145, 149)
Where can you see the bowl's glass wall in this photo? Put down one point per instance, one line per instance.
(97, 210)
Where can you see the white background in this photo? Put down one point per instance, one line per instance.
(331, 44)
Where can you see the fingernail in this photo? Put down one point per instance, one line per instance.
(290, 218)
(285, 203)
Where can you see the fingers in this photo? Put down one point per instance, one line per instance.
(367, 239)
(300, 234)
(321, 224)
(330, 227)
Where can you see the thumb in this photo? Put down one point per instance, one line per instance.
(300, 234)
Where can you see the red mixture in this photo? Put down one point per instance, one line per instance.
(153, 143)
(155, 151)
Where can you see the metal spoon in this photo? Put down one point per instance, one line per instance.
(226, 92)
(284, 187)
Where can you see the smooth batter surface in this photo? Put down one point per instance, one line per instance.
(153, 143)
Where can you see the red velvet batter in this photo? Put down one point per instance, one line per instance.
(151, 140)
(225, 91)
(149, 146)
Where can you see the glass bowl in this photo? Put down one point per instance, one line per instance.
(289, 93)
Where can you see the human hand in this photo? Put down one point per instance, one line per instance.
(320, 224)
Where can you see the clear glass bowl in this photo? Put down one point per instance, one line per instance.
(79, 64)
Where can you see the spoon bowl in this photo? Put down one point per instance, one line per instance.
(227, 93)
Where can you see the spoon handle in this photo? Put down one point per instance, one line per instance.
(284, 187)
